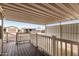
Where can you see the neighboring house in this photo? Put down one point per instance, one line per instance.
(11, 29)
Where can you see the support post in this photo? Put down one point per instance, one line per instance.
(78, 50)
(2, 29)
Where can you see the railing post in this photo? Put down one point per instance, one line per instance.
(36, 40)
(30, 40)
(16, 38)
(53, 44)
(7, 37)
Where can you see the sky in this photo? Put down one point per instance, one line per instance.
(21, 24)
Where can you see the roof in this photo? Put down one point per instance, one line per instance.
(41, 13)
(11, 27)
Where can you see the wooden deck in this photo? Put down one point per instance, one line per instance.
(22, 49)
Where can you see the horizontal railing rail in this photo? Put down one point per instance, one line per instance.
(10, 34)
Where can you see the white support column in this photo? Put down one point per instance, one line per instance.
(2, 29)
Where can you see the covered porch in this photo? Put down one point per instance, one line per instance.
(59, 38)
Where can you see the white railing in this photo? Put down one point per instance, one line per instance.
(22, 37)
(8, 37)
(50, 45)
(17, 37)
(55, 46)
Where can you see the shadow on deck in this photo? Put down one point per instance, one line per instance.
(22, 49)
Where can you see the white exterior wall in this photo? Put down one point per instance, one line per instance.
(69, 31)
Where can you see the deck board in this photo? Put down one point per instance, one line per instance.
(23, 49)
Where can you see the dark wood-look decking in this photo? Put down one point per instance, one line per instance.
(22, 49)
